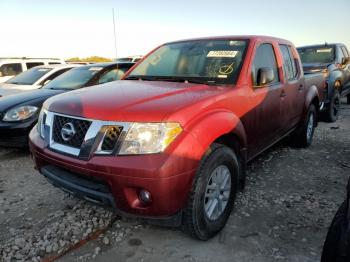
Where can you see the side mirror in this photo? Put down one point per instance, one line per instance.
(265, 76)
(345, 60)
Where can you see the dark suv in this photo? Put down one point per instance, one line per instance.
(333, 60)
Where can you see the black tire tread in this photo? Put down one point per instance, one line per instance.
(189, 224)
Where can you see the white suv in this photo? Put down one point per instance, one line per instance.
(10, 67)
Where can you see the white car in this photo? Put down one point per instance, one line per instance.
(33, 78)
(10, 67)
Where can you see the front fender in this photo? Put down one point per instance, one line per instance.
(333, 77)
(211, 126)
(311, 95)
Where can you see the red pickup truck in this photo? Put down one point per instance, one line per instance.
(171, 141)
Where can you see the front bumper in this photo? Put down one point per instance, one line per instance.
(119, 179)
(15, 134)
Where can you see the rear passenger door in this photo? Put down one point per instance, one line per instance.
(293, 90)
(264, 119)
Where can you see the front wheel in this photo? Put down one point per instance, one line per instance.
(213, 193)
(302, 137)
(333, 110)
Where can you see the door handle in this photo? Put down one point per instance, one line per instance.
(283, 94)
(300, 88)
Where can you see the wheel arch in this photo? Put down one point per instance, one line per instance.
(223, 127)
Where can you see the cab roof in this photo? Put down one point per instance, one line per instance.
(237, 37)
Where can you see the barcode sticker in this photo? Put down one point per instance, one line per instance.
(224, 53)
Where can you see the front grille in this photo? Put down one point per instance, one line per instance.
(80, 126)
(110, 138)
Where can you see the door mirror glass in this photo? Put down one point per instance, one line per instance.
(265, 76)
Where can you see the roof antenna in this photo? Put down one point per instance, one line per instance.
(115, 35)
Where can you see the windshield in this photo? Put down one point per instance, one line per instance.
(201, 61)
(317, 54)
(75, 78)
(29, 77)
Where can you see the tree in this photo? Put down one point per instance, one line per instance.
(89, 59)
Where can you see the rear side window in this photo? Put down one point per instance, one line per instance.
(10, 69)
(264, 57)
(289, 66)
(33, 64)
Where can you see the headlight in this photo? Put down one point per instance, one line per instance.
(20, 113)
(149, 138)
(325, 73)
(41, 122)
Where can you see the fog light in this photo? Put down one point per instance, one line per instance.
(145, 196)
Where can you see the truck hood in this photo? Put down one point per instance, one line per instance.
(314, 67)
(36, 97)
(131, 100)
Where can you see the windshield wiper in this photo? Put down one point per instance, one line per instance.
(137, 77)
(180, 79)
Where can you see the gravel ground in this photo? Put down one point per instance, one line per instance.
(283, 215)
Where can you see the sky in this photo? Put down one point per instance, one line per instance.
(71, 28)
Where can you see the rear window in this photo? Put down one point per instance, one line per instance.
(29, 77)
(10, 69)
(320, 54)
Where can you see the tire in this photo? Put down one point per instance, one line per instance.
(200, 219)
(302, 137)
(332, 113)
(334, 248)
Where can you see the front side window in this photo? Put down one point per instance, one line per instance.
(289, 66)
(317, 54)
(264, 58)
(203, 61)
(10, 69)
(29, 77)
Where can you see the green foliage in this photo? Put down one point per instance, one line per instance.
(89, 59)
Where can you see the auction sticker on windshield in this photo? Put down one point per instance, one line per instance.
(95, 68)
(224, 53)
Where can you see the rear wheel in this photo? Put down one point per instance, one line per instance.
(302, 137)
(213, 193)
(334, 108)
